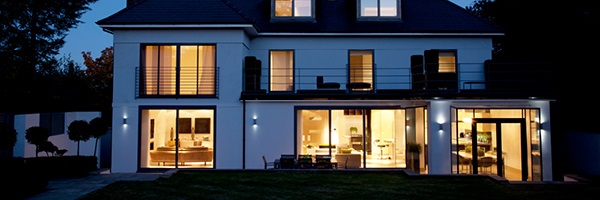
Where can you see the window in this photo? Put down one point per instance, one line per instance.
(281, 72)
(360, 70)
(178, 70)
(440, 69)
(54, 122)
(378, 8)
(192, 127)
(293, 8)
(447, 62)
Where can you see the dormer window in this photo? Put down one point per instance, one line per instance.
(293, 9)
(378, 9)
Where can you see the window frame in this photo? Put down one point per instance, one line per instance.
(293, 86)
(143, 70)
(378, 17)
(349, 80)
(440, 63)
(276, 18)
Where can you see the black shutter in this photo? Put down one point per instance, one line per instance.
(432, 69)
(416, 70)
(252, 73)
(432, 61)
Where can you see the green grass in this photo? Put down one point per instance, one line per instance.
(334, 185)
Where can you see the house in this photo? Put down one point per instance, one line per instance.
(218, 84)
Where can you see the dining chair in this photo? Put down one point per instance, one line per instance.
(287, 161)
(485, 163)
(323, 163)
(305, 162)
(267, 164)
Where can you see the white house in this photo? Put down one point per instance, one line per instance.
(356, 80)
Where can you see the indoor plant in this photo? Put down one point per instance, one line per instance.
(414, 151)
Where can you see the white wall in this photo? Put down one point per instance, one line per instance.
(62, 141)
(328, 56)
(439, 141)
(231, 47)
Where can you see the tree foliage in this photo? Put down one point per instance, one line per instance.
(558, 33)
(79, 130)
(8, 139)
(31, 35)
(100, 74)
(98, 128)
(37, 135)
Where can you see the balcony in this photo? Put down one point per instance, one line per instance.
(471, 81)
(173, 82)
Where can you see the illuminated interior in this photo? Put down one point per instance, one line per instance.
(370, 138)
(194, 130)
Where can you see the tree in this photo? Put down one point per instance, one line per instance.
(48, 147)
(8, 139)
(98, 128)
(37, 135)
(533, 34)
(79, 130)
(100, 73)
(31, 35)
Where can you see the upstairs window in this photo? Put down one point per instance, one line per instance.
(360, 70)
(178, 70)
(378, 8)
(281, 72)
(447, 61)
(289, 9)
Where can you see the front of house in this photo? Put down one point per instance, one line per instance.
(220, 84)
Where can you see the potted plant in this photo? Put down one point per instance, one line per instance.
(414, 151)
(353, 130)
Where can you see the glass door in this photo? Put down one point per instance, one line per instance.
(499, 148)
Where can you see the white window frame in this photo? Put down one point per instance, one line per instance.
(378, 16)
(293, 16)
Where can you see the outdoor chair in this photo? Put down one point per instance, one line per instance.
(267, 164)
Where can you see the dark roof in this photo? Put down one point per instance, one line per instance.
(332, 16)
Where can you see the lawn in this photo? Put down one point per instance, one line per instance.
(271, 184)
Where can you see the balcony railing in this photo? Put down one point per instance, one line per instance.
(173, 82)
(525, 79)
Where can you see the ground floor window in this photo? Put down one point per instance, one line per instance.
(177, 138)
(503, 142)
(362, 137)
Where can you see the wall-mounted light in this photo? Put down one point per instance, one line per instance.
(254, 121)
(124, 121)
(441, 127)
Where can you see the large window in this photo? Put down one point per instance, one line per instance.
(281, 72)
(378, 8)
(178, 70)
(360, 74)
(194, 130)
(509, 136)
(293, 8)
(362, 138)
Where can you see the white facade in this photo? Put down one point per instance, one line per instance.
(246, 130)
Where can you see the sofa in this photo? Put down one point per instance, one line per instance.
(186, 154)
(354, 160)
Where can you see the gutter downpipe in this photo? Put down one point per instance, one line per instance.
(244, 135)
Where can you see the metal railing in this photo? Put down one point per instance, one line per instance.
(488, 78)
(177, 82)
